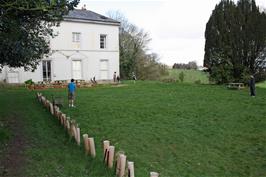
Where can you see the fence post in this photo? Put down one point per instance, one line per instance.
(154, 174)
(111, 154)
(122, 165)
(92, 147)
(78, 136)
(106, 145)
(86, 144)
(130, 166)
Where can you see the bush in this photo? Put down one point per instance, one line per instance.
(29, 82)
(181, 76)
(198, 82)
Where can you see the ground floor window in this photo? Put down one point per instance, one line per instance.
(76, 69)
(46, 70)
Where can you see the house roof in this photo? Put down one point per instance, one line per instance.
(89, 16)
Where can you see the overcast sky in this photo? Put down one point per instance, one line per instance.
(175, 26)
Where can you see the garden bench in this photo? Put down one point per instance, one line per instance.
(235, 86)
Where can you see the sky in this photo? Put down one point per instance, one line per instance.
(176, 27)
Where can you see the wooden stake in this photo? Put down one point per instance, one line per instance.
(86, 144)
(106, 145)
(111, 154)
(154, 174)
(68, 124)
(78, 136)
(51, 109)
(130, 166)
(92, 147)
(73, 129)
(123, 159)
(118, 158)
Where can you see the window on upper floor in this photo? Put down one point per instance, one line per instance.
(103, 41)
(76, 37)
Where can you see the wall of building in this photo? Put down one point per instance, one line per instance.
(64, 51)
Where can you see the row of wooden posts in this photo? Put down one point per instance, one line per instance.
(110, 157)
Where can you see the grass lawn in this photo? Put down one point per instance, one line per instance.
(42, 149)
(261, 84)
(190, 76)
(178, 129)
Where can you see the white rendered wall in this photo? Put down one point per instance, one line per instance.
(89, 53)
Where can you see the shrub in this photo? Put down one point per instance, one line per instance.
(197, 82)
(181, 76)
(29, 82)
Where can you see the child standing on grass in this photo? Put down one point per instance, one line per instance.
(71, 93)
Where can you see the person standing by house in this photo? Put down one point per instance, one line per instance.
(114, 77)
(252, 86)
(71, 93)
(134, 77)
(118, 79)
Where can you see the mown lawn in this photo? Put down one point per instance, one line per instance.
(190, 76)
(46, 150)
(178, 129)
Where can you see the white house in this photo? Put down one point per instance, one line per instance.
(87, 46)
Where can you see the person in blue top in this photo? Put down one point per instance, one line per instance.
(71, 93)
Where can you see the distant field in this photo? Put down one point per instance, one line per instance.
(261, 84)
(190, 76)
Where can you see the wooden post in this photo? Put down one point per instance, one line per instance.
(51, 109)
(78, 136)
(130, 166)
(68, 124)
(59, 113)
(92, 147)
(62, 118)
(118, 163)
(86, 144)
(117, 166)
(123, 160)
(73, 129)
(65, 122)
(154, 174)
(106, 145)
(55, 110)
(111, 154)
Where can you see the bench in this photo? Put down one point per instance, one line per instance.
(235, 86)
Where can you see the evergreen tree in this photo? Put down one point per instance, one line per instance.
(235, 36)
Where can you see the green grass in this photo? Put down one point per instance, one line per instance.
(175, 129)
(261, 84)
(191, 76)
(178, 129)
(49, 151)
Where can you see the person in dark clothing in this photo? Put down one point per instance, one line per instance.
(118, 79)
(252, 86)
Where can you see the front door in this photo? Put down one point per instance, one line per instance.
(104, 69)
(76, 69)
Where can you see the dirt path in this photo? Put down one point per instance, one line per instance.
(12, 157)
